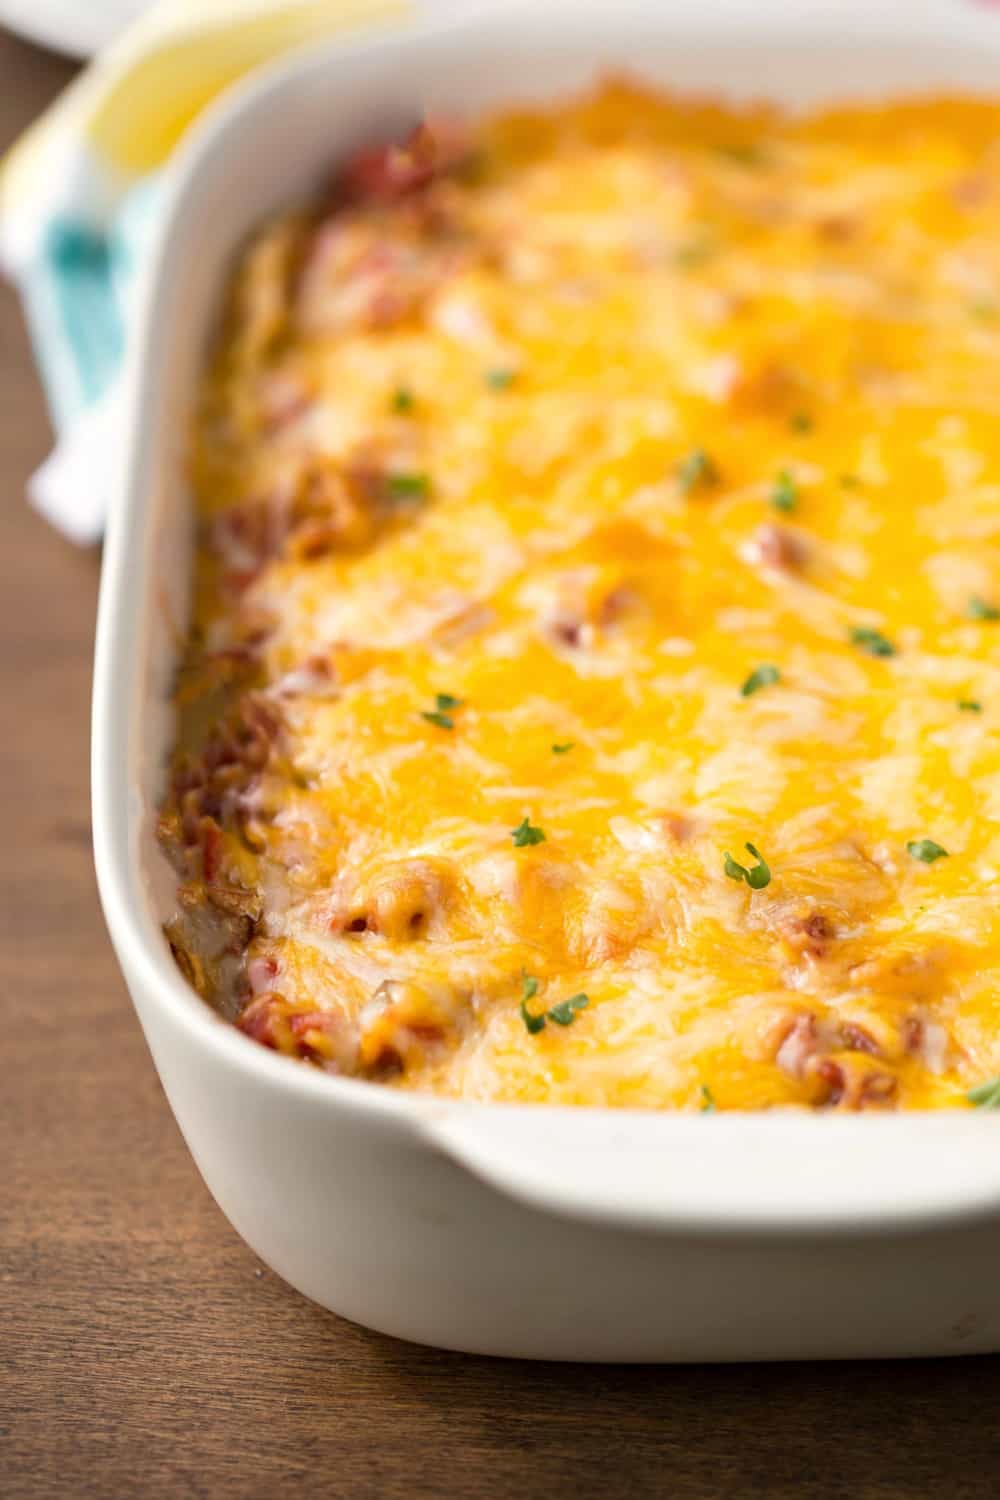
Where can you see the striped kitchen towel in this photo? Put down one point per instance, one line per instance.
(79, 196)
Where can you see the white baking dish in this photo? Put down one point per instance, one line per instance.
(509, 1230)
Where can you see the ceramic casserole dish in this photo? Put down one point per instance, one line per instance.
(524, 1231)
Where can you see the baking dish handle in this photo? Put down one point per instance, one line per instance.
(729, 1173)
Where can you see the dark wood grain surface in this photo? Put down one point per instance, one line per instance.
(143, 1349)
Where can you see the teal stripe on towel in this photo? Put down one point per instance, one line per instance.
(79, 296)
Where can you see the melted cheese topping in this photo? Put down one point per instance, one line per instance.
(581, 430)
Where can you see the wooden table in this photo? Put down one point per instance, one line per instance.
(143, 1349)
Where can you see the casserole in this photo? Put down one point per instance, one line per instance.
(653, 556)
(525, 1231)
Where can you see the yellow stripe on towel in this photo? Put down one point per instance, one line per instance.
(146, 108)
(134, 103)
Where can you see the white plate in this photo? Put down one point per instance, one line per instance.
(78, 28)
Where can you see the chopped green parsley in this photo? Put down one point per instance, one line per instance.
(533, 1023)
(564, 748)
(694, 252)
(407, 486)
(500, 380)
(440, 715)
(526, 834)
(743, 153)
(784, 495)
(402, 399)
(529, 985)
(978, 609)
(872, 641)
(926, 850)
(801, 422)
(708, 1105)
(985, 1095)
(970, 705)
(565, 1012)
(763, 676)
(757, 877)
(696, 471)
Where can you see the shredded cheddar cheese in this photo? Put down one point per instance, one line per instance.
(593, 690)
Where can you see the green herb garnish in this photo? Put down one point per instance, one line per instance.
(526, 834)
(801, 422)
(970, 705)
(708, 1105)
(564, 748)
(757, 877)
(978, 609)
(761, 677)
(407, 486)
(533, 1023)
(440, 715)
(500, 380)
(402, 399)
(784, 495)
(744, 153)
(926, 850)
(565, 1012)
(696, 471)
(985, 1095)
(872, 641)
(694, 253)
